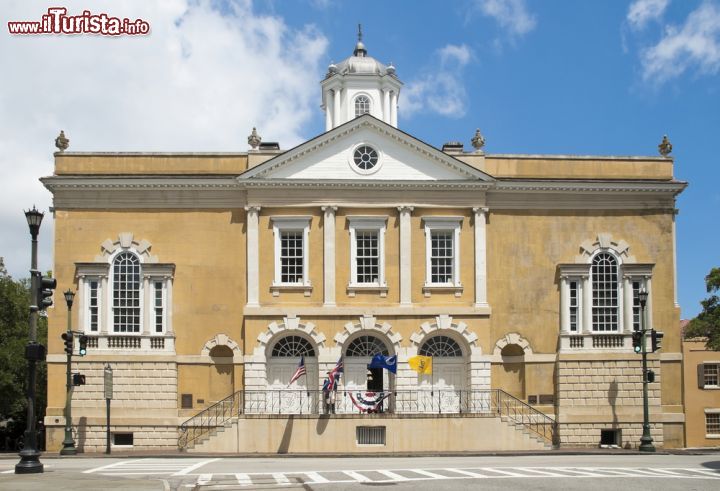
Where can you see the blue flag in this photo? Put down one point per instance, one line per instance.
(389, 363)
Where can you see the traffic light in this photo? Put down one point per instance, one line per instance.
(82, 348)
(68, 337)
(650, 376)
(637, 341)
(78, 379)
(45, 292)
(656, 337)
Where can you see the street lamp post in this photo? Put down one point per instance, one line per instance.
(29, 455)
(68, 442)
(646, 441)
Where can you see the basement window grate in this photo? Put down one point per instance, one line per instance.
(123, 439)
(370, 435)
(610, 438)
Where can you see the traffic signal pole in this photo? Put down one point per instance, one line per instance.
(68, 442)
(646, 441)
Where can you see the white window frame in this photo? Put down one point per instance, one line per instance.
(291, 224)
(711, 411)
(620, 292)
(163, 301)
(111, 289)
(86, 304)
(442, 224)
(355, 103)
(367, 224)
(705, 384)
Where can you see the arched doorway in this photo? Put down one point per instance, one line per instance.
(443, 390)
(358, 378)
(222, 373)
(512, 371)
(300, 397)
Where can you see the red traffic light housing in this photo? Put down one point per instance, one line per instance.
(656, 338)
(78, 379)
(82, 342)
(45, 289)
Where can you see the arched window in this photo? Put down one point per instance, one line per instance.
(362, 105)
(126, 293)
(366, 346)
(292, 347)
(440, 346)
(605, 310)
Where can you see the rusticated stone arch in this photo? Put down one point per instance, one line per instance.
(290, 324)
(512, 338)
(126, 241)
(220, 340)
(369, 324)
(444, 325)
(604, 242)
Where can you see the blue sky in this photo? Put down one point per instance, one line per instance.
(567, 77)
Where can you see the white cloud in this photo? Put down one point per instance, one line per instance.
(200, 81)
(460, 54)
(641, 12)
(440, 89)
(695, 44)
(512, 15)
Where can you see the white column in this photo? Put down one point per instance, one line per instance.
(674, 246)
(564, 305)
(627, 305)
(253, 256)
(649, 306)
(480, 257)
(148, 307)
(328, 110)
(386, 106)
(169, 305)
(105, 297)
(393, 109)
(329, 255)
(336, 108)
(405, 256)
(587, 305)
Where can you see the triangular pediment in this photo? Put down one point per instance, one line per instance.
(331, 156)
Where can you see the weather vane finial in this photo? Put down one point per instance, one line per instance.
(359, 32)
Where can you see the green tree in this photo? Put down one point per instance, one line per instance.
(14, 312)
(707, 323)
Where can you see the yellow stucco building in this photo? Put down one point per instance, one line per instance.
(203, 279)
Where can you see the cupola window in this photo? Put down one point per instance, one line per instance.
(362, 105)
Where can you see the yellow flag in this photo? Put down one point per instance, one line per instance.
(421, 364)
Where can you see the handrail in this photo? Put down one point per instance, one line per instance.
(478, 403)
(522, 413)
(209, 418)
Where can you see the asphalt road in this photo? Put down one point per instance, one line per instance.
(549, 471)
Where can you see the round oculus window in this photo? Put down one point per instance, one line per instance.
(365, 157)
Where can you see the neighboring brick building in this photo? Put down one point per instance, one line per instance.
(702, 393)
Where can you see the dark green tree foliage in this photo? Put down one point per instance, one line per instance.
(14, 312)
(707, 323)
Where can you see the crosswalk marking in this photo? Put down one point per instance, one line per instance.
(467, 473)
(703, 471)
(666, 471)
(316, 478)
(280, 478)
(243, 479)
(109, 466)
(393, 476)
(429, 474)
(189, 469)
(204, 479)
(577, 470)
(542, 472)
(500, 471)
(357, 476)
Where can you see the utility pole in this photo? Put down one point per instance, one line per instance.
(646, 441)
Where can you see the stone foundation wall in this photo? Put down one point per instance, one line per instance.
(92, 438)
(588, 434)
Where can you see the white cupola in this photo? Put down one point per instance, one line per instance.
(359, 85)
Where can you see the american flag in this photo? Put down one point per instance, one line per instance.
(299, 372)
(334, 374)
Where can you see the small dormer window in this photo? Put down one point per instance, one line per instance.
(362, 105)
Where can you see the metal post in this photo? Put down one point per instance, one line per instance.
(108, 389)
(646, 441)
(29, 455)
(68, 442)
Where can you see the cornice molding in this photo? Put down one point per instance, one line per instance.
(360, 184)
(623, 186)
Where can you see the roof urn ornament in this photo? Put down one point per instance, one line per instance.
(478, 141)
(254, 139)
(665, 146)
(61, 142)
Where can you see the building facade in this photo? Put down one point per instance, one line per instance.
(203, 279)
(702, 394)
